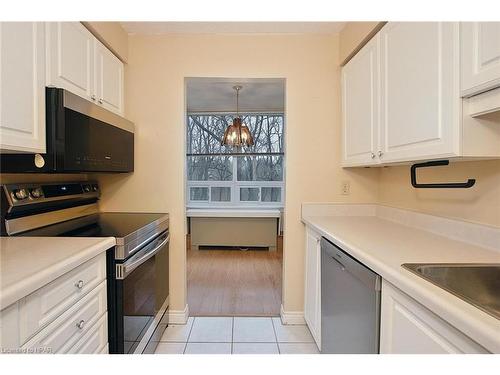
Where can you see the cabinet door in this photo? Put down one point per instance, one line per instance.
(108, 78)
(312, 297)
(480, 53)
(70, 58)
(420, 99)
(22, 87)
(406, 327)
(360, 106)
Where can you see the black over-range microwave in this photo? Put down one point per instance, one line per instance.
(81, 137)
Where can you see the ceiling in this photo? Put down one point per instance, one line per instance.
(156, 28)
(218, 95)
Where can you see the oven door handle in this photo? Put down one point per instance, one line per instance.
(127, 268)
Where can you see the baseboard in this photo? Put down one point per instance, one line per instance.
(292, 317)
(178, 316)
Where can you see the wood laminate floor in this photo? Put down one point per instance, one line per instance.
(234, 282)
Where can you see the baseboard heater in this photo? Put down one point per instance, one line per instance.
(233, 232)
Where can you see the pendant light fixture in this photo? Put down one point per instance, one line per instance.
(237, 134)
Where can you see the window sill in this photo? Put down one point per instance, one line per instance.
(233, 212)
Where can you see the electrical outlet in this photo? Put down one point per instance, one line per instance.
(345, 188)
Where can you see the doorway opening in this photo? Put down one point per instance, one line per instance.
(235, 197)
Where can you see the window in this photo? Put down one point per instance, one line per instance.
(223, 176)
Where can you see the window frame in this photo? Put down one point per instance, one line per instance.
(234, 184)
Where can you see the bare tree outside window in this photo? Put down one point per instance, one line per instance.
(209, 161)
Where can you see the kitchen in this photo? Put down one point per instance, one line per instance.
(378, 116)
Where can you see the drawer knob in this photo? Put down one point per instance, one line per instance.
(100, 101)
(79, 284)
(80, 324)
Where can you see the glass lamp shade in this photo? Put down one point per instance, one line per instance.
(237, 134)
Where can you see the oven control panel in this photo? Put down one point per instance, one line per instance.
(29, 193)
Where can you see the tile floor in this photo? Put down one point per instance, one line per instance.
(236, 335)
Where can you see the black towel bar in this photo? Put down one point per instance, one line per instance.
(447, 185)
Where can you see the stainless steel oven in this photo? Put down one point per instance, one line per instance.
(141, 297)
(137, 267)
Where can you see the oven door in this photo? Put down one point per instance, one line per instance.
(142, 297)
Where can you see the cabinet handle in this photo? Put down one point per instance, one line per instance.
(372, 155)
(80, 324)
(92, 97)
(100, 101)
(79, 284)
(380, 153)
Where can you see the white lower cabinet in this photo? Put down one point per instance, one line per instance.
(95, 340)
(68, 315)
(71, 327)
(50, 301)
(312, 294)
(407, 327)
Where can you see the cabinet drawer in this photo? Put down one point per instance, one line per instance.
(47, 303)
(62, 334)
(95, 341)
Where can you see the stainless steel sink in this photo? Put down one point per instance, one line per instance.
(477, 284)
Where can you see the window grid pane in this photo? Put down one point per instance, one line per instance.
(199, 194)
(249, 194)
(204, 133)
(256, 178)
(210, 168)
(260, 168)
(220, 194)
(270, 194)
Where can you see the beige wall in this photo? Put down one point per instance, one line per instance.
(480, 204)
(9, 178)
(352, 35)
(112, 35)
(155, 101)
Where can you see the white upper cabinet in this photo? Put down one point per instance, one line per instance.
(360, 106)
(419, 91)
(79, 63)
(480, 55)
(22, 87)
(70, 57)
(401, 96)
(108, 78)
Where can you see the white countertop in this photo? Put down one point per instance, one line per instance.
(384, 245)
(28, 263)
